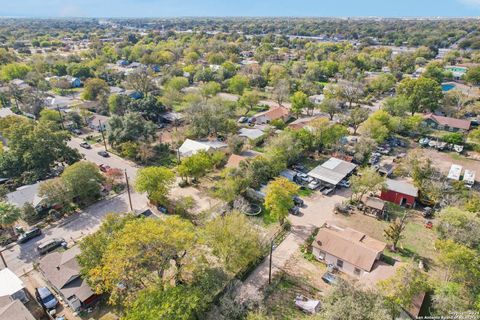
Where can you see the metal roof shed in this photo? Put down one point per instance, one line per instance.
(332, 171)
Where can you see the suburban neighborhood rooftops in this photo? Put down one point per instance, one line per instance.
(332, 171)
(274, 113)
(250, 133)
(402, 187)
(450, 122)
(349, 245)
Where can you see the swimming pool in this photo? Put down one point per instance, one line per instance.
(448, 86)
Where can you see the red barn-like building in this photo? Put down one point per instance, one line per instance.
(400, 192)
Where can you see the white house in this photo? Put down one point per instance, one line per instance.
(191, 147)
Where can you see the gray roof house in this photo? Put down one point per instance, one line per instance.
(251, 134)
(62, 271)
(24, 194)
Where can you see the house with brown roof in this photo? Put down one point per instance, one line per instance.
(62, 272)
(13, 309)
(446, 123)
(349, 250)
(235, 159)
(271, 114)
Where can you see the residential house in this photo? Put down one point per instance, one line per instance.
(349, 250)
(11, 286)
(303, 123)
(251, 134)
(446, 123)
(235, 159)
(275, 113)
(25, 194)
(317, 99)
(20, 84)
(191, 147)
(98, 122)
(13, 309)
(399, 192)
(457, 71)
(74, 81)
(62, 272)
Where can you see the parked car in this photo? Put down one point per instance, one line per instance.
(242, 120)
(50, 245)
(85, 145)
(327, 191)
(313, 185)
(427, 212)
(103, 167)
(329, 278)
(295, 211)
(103, 153)
(344, 183)
(46, 299)
(29, 235)
(298, 201)
(76, 131)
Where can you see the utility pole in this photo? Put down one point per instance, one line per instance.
(3, 259)
(103, 135)
(61, 117)
(128, 190)
(270, 266)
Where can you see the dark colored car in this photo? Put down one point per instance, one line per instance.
(29, 235)
(103, 153)
(295, 211)
(298, 201)
(85, 145)
(329, 278)
(46, 298)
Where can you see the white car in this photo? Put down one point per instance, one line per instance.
(313, 185)
(344, 183)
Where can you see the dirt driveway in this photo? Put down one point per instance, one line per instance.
(444, 160)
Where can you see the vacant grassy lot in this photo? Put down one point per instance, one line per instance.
(417, 242)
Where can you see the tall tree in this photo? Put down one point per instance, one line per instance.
(279, 198)
(234, 239)
(9, 214)
(394, 231)
(83, 179)
(356, 117)
(156, 182)
(368, 180)
(404, 286)
(300, 102)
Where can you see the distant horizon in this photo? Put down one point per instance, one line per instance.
(427, 9)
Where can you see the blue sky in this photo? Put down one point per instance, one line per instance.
(169, 8)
